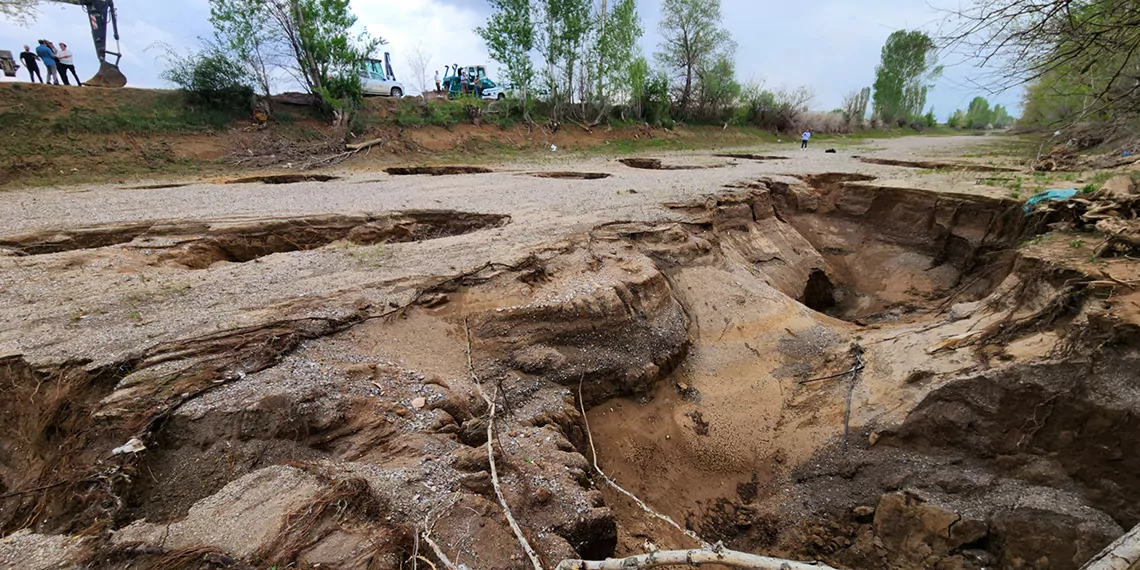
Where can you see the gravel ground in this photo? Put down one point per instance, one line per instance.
(104, 304)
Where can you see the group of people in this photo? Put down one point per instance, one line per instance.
(58, 61)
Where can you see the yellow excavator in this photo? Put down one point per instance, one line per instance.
(99, 12)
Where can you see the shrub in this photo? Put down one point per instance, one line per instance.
(211, 80)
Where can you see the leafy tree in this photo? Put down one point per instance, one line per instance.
(510, 38)
(978, 114)
(717, 88)
(562, 31)
(693, 40)
(1001, 117)
(239, 26)
(318, 35)
(855, 107)
(210, 79)
(903, 78)
(957, 120)
(619, 30)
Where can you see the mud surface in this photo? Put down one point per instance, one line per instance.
(299, 388)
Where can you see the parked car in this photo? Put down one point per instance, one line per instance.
(377, 78)
(492, 91)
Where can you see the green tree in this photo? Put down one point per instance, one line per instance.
(957, 120)
(619, 31)
(561, 35)
(693, 39)
(239, 26)
(510, 38)
(978, 114)
(1001, 117)
(323, 52)
(855, 107)
(904, 76)
(717, 89)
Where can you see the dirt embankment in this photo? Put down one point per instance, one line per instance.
(69, 136)
(822, 368)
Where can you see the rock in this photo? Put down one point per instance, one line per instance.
(1118, 188)
(1066, 534)
(863, 511)
(873, 438)
(914, 530)
(542, 495)
(365, 370)
(419, 403)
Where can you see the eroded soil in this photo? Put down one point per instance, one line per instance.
(301, 387)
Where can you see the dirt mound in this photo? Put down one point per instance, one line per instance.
(436, 170)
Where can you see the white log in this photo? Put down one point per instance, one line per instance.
(720, 557)
(1124, 554)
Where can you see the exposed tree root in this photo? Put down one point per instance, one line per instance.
(1123, 554)
(491, 457)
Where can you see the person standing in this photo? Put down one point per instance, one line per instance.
(438, 86)
(806, 138)
(67, 63)
(33, 68)
(47, 56)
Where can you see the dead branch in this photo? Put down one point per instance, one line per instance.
(717, 555)
(1123, 554)
(366, 144)
(491, 457)
(645, 507)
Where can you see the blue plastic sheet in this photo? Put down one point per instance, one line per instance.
(1048, 196)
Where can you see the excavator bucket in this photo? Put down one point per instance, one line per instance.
(108, 76)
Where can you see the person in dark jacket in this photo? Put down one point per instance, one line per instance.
(29, 60)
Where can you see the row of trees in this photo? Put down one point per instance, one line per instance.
(589, 63)
(979, 115)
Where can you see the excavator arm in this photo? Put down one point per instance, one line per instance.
(102, 12)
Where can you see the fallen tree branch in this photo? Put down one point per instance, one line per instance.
(1123, 554)
(652, 512)
(438, 552)
(491, 457)
(718, 555)
(366, 144)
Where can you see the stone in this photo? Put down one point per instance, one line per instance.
(419, 403)
(542, 495)
(863, 511)
(914, 530)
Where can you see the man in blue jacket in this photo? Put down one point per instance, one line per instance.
(47, 55)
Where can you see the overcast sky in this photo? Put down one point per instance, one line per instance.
(830, 46)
